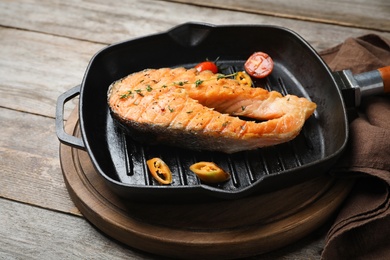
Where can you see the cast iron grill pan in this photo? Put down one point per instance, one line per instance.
(121, 160)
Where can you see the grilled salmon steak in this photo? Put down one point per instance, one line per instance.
(203, 111)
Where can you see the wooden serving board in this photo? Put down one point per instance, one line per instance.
(222, 229)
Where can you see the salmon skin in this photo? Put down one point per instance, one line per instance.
(203, 111)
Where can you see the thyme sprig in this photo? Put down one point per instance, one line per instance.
(197, 83)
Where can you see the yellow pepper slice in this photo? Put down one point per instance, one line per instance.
(209, 172)
(243, 78)
(159, 170)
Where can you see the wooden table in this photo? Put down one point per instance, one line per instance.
(45, 48)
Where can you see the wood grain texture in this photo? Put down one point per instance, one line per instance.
(205, 230)
(36, 68)
(104, 22)
(45, 48)
(29, 165)
(357, 13)
(29, 232)
(50, 48)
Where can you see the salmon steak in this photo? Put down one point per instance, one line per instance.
(204, 111)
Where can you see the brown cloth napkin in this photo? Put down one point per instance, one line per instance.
(361, 229)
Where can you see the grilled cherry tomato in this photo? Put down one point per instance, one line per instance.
(207, 65)
(243, 78)
(159, 170)
(209, 172)
(259, 65)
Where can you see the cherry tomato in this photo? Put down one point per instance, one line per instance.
(159, 170)
(209, 172)
(207, 65)
(244, 79)
(259, 65)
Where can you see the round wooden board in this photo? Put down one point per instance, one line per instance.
(222, 229)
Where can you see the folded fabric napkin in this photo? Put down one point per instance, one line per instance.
(361, 229)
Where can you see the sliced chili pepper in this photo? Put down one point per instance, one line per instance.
(243, 78)
(159, 170)
(209, 172)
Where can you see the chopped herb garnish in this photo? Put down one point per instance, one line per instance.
(243, 108)
(226, 123)
(129, 93)
(139, 92)
(170, 109)
(180, 83)
(198, 82)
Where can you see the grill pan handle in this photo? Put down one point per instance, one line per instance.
(61, 134)
(356, 87)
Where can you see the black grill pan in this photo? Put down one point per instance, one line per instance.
(298, 70)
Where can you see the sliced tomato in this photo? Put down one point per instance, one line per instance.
(259, 65)
(207, 65)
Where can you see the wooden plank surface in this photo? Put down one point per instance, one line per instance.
(30, 167)
(29, 232)
(48, 56)
(356, 13)
(102, 21)
(36, 68)
(32, 233)
(46, 47)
